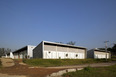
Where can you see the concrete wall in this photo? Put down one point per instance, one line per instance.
(30, 51)
(38, 51)
(62, 55)
(25, 52)
(90, 54)
(97, 54)
(60, 48)
(100, 55)
(16, 56)
(50, 47)
(21, 54)
(56, 52)
(64, 49)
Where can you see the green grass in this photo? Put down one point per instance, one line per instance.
(114, 57)
(109, 71)
(60, 62)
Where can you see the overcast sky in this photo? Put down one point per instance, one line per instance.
(87, 22)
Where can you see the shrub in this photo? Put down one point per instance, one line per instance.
(109, 71)
(87, 68)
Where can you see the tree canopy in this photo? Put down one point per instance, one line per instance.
(112, 50)
(4, 51)
(71, 43)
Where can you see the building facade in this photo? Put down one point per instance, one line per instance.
(25, 52)
(51, 50)
(98, 54)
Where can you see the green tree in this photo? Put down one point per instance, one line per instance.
(101, 48)
(60, 42)
(71, 43)
(109, 49)
(113, 50)
(4, 51)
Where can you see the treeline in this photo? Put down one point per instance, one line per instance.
(112, 50)
(69, 43)
(4, 51)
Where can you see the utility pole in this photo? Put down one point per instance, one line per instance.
(106, 48)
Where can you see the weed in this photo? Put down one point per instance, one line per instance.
(109, 71)
(87, 68)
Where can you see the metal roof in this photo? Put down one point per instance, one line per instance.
(23, 48)
(101, 50)
(67, 45)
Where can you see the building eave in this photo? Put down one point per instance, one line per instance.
(101, 50)
(23, 48)
(54, 43)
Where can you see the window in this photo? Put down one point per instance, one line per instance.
(76, 55)
(66, 55)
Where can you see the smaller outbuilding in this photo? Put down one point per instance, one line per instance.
(98, 54)
(25, 52)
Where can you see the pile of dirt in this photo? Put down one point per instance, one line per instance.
(7, 62)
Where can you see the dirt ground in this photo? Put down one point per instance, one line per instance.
(22, 70)
(26, 71)
(6, 75)
(6, 62)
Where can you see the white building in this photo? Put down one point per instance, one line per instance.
(98, 54)
(25, 52)
(51, 50)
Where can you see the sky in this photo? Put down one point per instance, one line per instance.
(28, 22)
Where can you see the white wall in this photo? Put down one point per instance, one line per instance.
(30, 50)
(60, 52)
(11, 55)
(100, 55)
(62, 55)
(16, 55)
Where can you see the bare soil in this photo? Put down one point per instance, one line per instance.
(25, 70)
(22, 70)
(7, 62)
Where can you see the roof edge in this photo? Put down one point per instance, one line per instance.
(63, 44)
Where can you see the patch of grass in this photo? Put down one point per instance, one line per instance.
(60, 62)
(87, 68)
(113, 58)
(109, 71)
(42, 62)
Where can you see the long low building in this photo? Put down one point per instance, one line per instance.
(52, 50)
(98, 54)
(25, 52)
